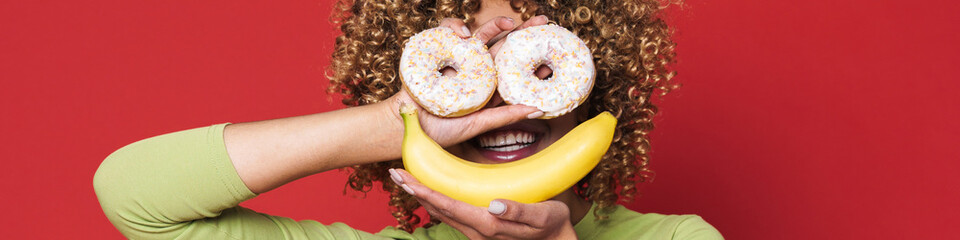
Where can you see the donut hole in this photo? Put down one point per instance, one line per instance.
(543, 72)
(448, 71)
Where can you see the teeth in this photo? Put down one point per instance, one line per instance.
(508, 148)
(504, 139)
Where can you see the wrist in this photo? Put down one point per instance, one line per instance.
(389, 112)
(387, 127)
(361, 135)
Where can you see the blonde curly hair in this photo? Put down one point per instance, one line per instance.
(632, 49)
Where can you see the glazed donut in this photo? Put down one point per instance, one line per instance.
(427, 52)
(560, 50)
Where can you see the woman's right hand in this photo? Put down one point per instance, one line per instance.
(450, 131)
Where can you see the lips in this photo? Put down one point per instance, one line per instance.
(510, 143)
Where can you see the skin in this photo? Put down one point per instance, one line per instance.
(270, 153)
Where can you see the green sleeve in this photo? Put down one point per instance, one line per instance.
(623, 223)
(695, 228)
(183, 185)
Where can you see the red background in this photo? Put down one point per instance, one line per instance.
(796, 119)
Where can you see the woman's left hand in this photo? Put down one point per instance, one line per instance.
(503, 219)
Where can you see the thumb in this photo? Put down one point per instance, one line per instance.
(490, 118)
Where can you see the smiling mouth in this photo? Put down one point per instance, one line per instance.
(508, 145)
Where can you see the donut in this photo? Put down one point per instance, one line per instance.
(557, 48)
(425, 53)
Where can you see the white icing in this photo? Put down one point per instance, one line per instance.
(430, 50)
(559, 49)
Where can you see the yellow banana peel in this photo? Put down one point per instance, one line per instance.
(533, 179)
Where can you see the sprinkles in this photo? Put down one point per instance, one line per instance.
(433, 49)
(560, 50)
(512, 75)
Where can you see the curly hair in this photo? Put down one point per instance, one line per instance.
(632, 50)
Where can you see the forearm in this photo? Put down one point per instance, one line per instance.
(183, 185)
(268, 154)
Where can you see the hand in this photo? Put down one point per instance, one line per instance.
(487, 118)
(491, 32)
(451, 131)
(503, 219)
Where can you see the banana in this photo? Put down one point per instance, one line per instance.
(529, 180)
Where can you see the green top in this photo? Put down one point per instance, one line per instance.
(183, 185)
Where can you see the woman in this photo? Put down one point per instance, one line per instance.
(188, 184)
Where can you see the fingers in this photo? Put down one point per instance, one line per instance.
(491, 118)
(534, 21)
(455, 213)
(536, 215)
(442, 205)
(494, 27)
(506, 114)
(476, 222)
(468, 231)
(492, 30)
(457, 25)
(543, 72)
(403, 179)
(448, 72)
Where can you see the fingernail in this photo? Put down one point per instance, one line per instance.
(408, 189)
(512, 23)
(395, 176)
(545, 19)
(466, 31)
(496, 207)
(535, 115)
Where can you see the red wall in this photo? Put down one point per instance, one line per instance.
(796, 119)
